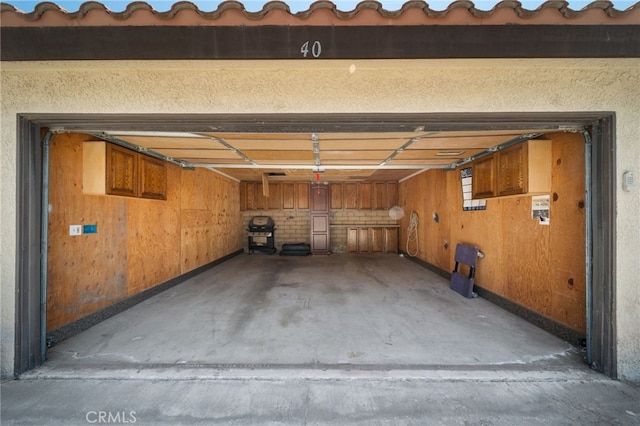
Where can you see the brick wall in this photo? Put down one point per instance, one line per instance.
(293, 226)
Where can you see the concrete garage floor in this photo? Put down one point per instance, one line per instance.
(365, 309)
(341, 339)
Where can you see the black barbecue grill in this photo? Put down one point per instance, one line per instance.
(262, 232)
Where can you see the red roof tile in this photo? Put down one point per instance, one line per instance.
(320, 13)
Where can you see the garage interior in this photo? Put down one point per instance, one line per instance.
(193, 192)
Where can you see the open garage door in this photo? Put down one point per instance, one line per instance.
(395, 148)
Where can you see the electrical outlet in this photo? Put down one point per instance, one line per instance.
(75, 230)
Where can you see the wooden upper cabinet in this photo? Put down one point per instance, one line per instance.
(365, 196)
(520, 169)
(484, 177)
(512, 170)
(525, 168)
(109, 169)
(122, 171)
(385, 195)
(153, 178)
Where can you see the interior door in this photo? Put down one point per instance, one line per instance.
(319, 206)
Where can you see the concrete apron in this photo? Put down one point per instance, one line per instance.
(321, 316)
(370, 340)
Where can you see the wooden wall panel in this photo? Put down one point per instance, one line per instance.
(568, 211)
(139, 242)
(79, 266)
(541, 267)
(214, 228)
(153, 237)
(243, 196)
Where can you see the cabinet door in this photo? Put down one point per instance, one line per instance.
(122, 171)
(391, 240)
(153, 178)
(377, 239)
(484, 177)
(259, 200)
(364, 245)
(512, 170)
(288, 196)
(352, 240)
(302, 195)
(336, 196)
(380, 196)
(274, 200)
(365, 196)
(350, 200)
(392, 194)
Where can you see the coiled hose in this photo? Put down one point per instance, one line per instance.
(412, 233)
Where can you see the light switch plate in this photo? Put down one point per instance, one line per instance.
(75, 230)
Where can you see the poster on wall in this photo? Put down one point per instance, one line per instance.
(467, 202)
(540, 208)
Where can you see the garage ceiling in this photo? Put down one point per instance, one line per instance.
(338, 156)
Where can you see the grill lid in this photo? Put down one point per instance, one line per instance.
(263, 223)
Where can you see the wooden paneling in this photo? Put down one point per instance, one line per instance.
(392, 194)
(259, 200)
(540, 267)
(122, 171)
(153, 178)
(380, 195)
(484, 177)
(391, 240)
(274, 201)
(350, 196)
(336, 196)
(512, 171)
(352, 240)
(243, 196)
(319, 196)
(524, 168)
(372, 239)
(377, 240)
(302, 195)
(139, 243)
(288, 195)
(365, 196)
(363, 240)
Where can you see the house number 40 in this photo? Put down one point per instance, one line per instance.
(316, 49)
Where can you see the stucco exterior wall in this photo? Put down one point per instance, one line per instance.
(421, 86)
